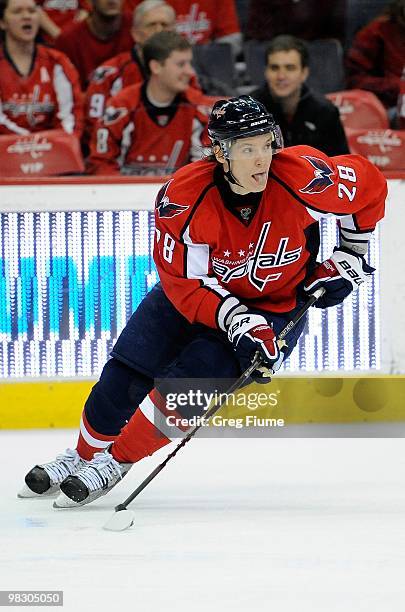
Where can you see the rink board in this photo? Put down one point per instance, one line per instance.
(70, 298)
(59, 404)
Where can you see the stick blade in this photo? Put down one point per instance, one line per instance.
(120, 521)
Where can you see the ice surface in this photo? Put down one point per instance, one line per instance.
(287, 525)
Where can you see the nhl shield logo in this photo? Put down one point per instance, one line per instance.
(245, 213)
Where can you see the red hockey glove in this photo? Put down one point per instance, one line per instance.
(251, 334)
(339, 275)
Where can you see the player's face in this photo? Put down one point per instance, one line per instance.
(284, 73)
(108, 8)
(250, 160)
(153, 21)
(176, 71)
(21, 20)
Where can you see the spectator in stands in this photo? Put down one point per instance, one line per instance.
(154, 127)
(307, 19)
(303, 116)
(127, 68)
(377, 56)
(57, 15)
(103, 34)
(204, 21)
(39, 87)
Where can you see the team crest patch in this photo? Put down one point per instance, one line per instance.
(245, 213)
(219, 112)
(322, 174)
(166, 208)
(162, 120)
(101, 73)
(113, 114)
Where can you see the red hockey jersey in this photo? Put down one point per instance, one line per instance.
(129, 140)
(63, 12)
(210, 261)
(108, 79)
(111, 77)
(201, 21)
(86, 51)
(48, 98)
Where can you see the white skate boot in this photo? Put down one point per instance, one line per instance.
(93, 480)
(44, 480)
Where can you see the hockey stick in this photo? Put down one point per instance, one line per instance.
(123, 518)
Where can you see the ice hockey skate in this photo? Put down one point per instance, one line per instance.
(44, 480)
(93, 480)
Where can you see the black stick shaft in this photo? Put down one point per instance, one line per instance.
(236, 385)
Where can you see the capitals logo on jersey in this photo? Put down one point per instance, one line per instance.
(322, 174)
(113, 114)
(166, 208)
(102, 72)
(259, 260)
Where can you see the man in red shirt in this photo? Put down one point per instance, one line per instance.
(155, 127)
(236, 245)
(204, 21)
(39, 87)
(105, 33)
(126, 68)
(377, 56)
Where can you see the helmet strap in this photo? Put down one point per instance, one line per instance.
(225, 148)
(229, 175)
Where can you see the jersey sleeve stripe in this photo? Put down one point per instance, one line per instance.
(125, 144)
(227, 309)
(357, 242)
(357, 231)
(197, 257)
(64, 95)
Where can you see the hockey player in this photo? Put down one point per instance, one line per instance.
(155, 127)
(126, 68)
(39, 87)
(236, 243)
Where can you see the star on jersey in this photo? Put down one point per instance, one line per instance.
(166, 208)
(322, 174)
(227, 253)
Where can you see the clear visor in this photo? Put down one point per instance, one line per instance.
(261, 146)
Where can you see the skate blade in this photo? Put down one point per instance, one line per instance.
(26, 493)
(119, 521)
(63, 501)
